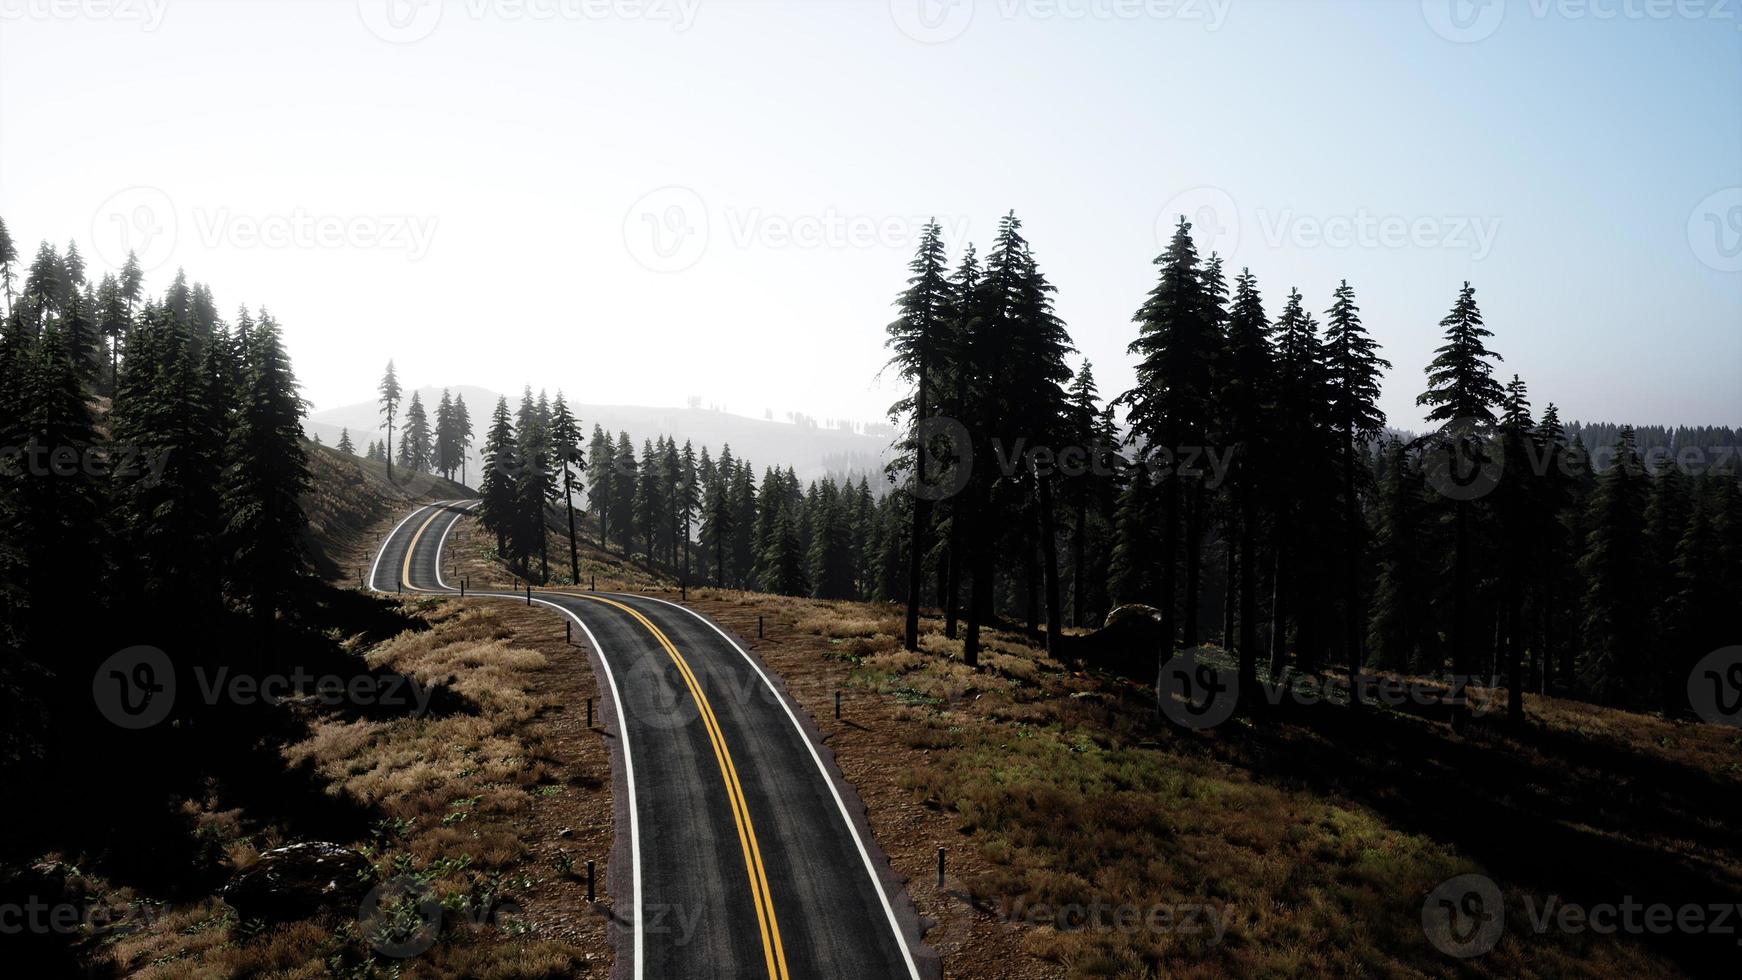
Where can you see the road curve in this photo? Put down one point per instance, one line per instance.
(743, 852)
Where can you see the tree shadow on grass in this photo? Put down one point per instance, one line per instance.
(1547, 812)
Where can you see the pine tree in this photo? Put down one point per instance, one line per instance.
(1170, 405)
(1302, 443)
(534, 486)
(717, 514)
(918, 340)
(689, 499)
(53, 523)
(8, 255)
(1615, 628)
(42, 288)
(462, 433)
(784, 559)
(565, 445)
(1353, 366)
(390, 394)
(1246, 382)
(1395, 622)
(603, 452)
(446, 456)
(414, 445)
(1516, 502)
(497, 512)
(345, 446)
(166, 525)
(267, 473)
(627, 478)
(1461, 396)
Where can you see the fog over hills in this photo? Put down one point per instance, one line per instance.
(811, 451)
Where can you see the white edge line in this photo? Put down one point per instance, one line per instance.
(622, 733)
(376, 564)
(864, 855)
(443, 543)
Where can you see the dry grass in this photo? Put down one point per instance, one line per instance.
(455, 795)
(1068, 792)
(471, 552)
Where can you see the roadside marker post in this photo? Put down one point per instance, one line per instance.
(529, 593)
(837, 705)
(589, 713)
(595, 586)
(592, 882)
(569, 632)
(759, 627)
(683, 591)
(940, 867)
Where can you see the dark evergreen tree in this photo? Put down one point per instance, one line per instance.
(266, 475)
(415, 451)
(497, 512)
(1353, 366)
(390, 394)
(565, 447)
(1615, 628)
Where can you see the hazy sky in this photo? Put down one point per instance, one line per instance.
(641, 200)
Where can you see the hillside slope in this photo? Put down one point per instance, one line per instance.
(351, 495)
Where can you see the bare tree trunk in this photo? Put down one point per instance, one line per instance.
(1050, 568)
(1194, 542)
(921, 518)
(574, 548)
(953, 588)
(1230, 590)
(1078, 558)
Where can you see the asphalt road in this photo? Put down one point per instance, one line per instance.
(741, 850)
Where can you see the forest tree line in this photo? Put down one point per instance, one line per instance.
(149, 486)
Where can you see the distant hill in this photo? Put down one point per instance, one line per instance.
(812, 451)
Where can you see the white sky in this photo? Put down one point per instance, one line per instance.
(498, 178)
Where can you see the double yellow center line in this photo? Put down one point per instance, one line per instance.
(773, 950)
(411, 549)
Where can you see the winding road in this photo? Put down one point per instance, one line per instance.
(741, 851)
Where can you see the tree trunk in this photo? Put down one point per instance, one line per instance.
(1460, 611)
(1230, 589)
(979, 597)
(1351, 574)
(921, 517)
(1279, 610)
(1194, 541)
(574, 548)
(1050, 568)
(1078, 559)
(953, 590)
(1248, 594)
(1164, 581)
